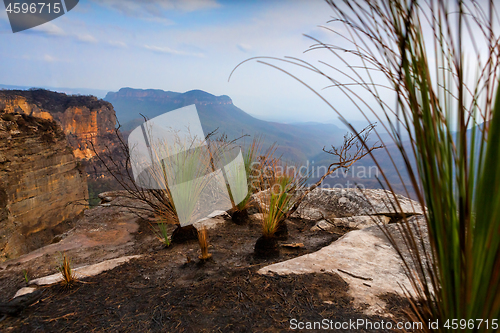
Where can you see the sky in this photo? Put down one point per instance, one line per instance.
(178, 46)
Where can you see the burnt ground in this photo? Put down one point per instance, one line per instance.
(170, 290)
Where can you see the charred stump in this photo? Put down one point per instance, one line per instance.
(266, 247)
(281, 231)
(184, 234)
(239, 217)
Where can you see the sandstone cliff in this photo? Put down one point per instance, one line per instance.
(39, 177)
(84, 119)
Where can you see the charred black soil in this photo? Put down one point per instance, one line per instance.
(171, 290)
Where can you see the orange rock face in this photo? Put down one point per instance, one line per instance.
(85, 127)
(19, 104)
(85, 120)
(41, 183)
(44, 136)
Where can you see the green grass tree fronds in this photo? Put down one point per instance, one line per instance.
(161, 232)
(450, 121)
(240, 164)
(250, 159)
(243, 171)
(184, 170)
(281, 183)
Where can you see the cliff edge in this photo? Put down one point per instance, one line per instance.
(39, 179)
(83, 119)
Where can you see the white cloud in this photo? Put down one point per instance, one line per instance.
(161, 20)
(86, 38)
(49, 29)
(276, 29)
(167, 50)
(49, 58)
(148, 9)
(192, 5)
(117, 43)
(244, 47)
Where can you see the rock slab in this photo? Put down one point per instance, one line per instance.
(333, 203)
(84, 271)
(355, 222)
(363, 258)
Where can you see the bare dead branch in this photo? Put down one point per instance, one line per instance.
(356, 142)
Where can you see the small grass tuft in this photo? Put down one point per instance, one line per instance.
(203, 241)
(69, 278)
(162, 233)
(26, 277)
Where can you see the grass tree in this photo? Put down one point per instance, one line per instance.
(67, 273)
(247, 176)
(279, 183)
(185, 169)
(439, 61)
(236, 164)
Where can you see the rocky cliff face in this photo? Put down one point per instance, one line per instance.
(83, 125)
(83, 119)
(39, 178)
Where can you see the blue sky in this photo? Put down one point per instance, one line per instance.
(179, 46)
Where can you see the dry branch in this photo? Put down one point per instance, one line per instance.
(346, 158)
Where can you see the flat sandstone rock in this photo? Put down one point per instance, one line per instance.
(356, 222)
(212, 221)
(363, 258)
(25, 291)
(335, 203)
(84, 271)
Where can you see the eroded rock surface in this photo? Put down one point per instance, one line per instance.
(354, 222)
(104, 232)
(83, 119)
(337, 203)
(363, 258)
(83, 271)
(41, 183)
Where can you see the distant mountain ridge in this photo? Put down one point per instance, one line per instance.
(194, 96)
(301, 143)
(296, 142)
